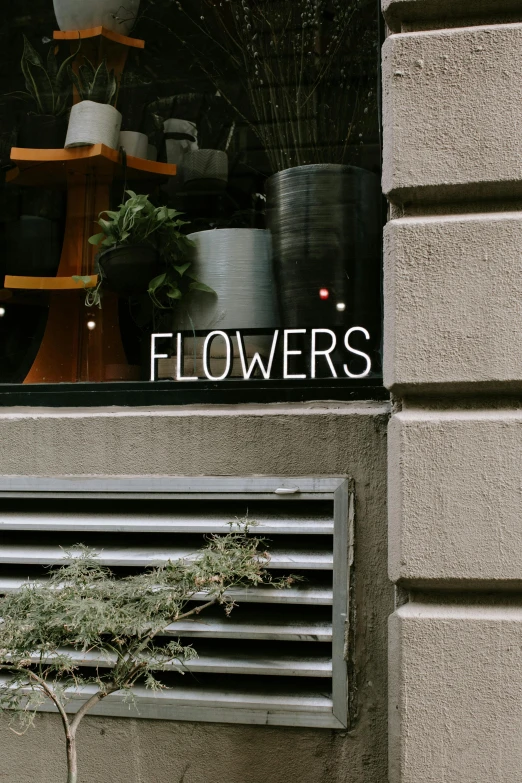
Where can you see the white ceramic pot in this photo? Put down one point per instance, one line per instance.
(135, 144)
(181, 137)
(93, 123)
(237, 264)
(116, 15)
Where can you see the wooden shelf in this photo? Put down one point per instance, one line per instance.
(52, 168)
(47, 283)
(95, 32)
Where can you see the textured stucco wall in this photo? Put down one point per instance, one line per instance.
(296, 440)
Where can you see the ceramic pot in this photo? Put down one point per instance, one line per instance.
(116, 15)
(93, 123)
(205, 170)
(42, 131)
(128, 269)
(326, 228)
(237, 264)
(181, 137)
(135, 144)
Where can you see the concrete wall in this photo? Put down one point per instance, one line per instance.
(453, 310)
(321, 438)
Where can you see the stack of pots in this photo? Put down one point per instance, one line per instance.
(198, 169)
(325, 222)
(326, 225)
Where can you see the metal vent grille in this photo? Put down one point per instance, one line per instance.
(279, 659)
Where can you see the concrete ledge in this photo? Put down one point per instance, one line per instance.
(455, 694)
(455, 499)
(453, 304)
(400, 12)
(452, 102)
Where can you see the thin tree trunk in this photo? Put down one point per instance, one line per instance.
(72, 766)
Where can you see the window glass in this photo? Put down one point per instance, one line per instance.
(190, 190)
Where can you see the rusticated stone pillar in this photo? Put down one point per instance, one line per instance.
(452, 119)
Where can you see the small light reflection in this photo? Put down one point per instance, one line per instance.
(324, 293)
(91, 325)
(341, 307)
(2, 312)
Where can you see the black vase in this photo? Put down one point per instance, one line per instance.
(325, 221)
(128, 269)
(42, 131)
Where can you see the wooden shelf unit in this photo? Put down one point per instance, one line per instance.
(70, 350)
(54, 168)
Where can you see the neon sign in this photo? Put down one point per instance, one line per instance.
(264, 365)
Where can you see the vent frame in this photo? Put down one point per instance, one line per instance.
(247, 707)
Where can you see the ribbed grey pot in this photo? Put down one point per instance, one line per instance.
(326, 228)
(237, 264)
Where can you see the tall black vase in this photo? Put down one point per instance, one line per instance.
(326, 227)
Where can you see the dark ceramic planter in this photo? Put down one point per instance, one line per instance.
(326, 230)
(128, 269)
(42, 131)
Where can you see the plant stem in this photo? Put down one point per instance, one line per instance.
(72, 764)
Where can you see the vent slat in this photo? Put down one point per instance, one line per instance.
(169, 487)
(303, 594)
(225, 663)
(142, 557)
(261, 626)
(158, 523)
(233, 696)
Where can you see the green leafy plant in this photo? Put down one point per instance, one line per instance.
(96, 84)
(138, 222)
(48, 85)
(83, 611)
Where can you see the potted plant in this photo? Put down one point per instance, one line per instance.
(94, 120)
(49, 90)
(85, 14)
(305, 86)
(143, 249)
(84, 611)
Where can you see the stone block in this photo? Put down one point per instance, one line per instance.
(455, 694)
(452, 109)
(453, 303)
(455, 499)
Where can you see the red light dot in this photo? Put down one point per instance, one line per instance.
(324, 293)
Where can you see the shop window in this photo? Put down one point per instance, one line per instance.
(190, 195)
(282, 656)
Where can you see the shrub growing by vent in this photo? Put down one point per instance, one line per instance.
(82, 607)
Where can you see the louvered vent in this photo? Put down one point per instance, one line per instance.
(279, 658)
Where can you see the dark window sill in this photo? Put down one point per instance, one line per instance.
(142, 393)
